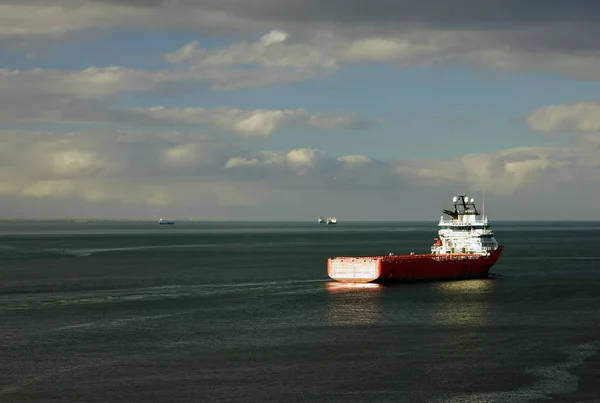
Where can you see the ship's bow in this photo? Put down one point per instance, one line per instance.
(495, 255)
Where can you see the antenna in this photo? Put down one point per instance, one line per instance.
(483, 204)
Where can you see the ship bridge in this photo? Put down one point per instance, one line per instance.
(464, 232)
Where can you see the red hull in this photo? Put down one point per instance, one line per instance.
(382, 269)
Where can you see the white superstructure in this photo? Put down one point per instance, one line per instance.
(463, 232)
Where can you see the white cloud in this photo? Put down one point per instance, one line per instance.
(259, 123)
(409, 48)
(356, 160)
(90, 83)
(185, 155)
(298, 160)
(580, 116)
(183, 54)
(271, 51)
(323, 54)
(241, 162)
(582, 65)
(40, 95)
(274, 45)
(95, 83)
(507, 171)
(273, 37)
(501, 173)
(272, 158)
(303, 157)
(375, 49)
(182, 171)
(119, 167)
(302, 41)
(69, 163)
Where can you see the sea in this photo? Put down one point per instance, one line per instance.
(245, 312)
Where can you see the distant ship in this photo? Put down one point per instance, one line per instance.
(466, 249)
(163, 222)
(328, 220)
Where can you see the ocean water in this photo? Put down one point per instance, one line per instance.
(244, 312)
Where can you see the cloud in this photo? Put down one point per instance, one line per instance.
(85, 96)
(98, 83)
(188, 155)
(304, 157)
(191, 173)
(33, 19)
(575, 117)
(270, 60)
(271, 50)
(304, 40)
(356, 160)
(273, 37)
(237, 162)
(502, 173)
(508, 171)
(323, 54)
(259, 123)
(150, 169)
(298, 160)
(281, 53)
(90, 83)
(124, 167)
(69, 15)
(269, 43)
(255, 123)
(588, 141)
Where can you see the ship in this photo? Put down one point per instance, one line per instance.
(328, 220)
(163, 222)
(466, 249)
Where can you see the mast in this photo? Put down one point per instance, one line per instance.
(483, 204)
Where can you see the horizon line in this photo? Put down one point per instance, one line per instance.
(147, 220)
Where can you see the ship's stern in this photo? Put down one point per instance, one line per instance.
(354, 269)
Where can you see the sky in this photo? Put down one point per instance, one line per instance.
(294, 109)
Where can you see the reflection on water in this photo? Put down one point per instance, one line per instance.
(352, 304)
(464, 286)
(449, 303)
(333, 288)
(465, 302)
